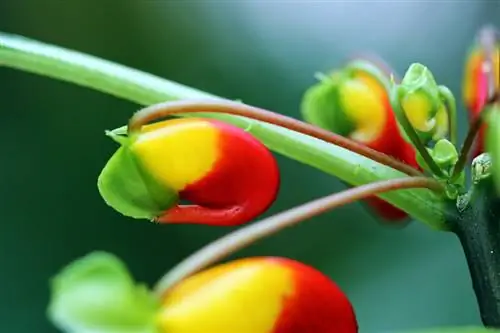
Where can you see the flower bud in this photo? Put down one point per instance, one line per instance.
(227, 174)
(419, 98)
(351, 102)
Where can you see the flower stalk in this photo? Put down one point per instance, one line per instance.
(146, 89)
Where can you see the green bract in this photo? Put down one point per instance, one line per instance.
(129, 189)
(96, 294)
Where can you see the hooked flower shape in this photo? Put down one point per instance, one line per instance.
(227, 175)
(97, 294)
(257, 295)
(354, 102)
(481, 78)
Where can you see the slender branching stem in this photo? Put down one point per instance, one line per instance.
(160, 110)
(471, 136)
(467, 146)
(249, 234)
(488, 37)
(412, 134)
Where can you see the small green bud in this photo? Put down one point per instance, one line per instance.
(481, 167)
(443, 153)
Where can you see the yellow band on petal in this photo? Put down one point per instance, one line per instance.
(362, 100)
(245, 296)
(178, 152)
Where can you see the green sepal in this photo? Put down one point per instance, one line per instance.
(129, 189)
(321, 107)
(445, 154)
(96, 294)
(493, 141)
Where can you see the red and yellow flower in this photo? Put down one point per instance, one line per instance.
(257, 295)
(97, 293)
(354, 102)
(482, 70)
(226, 174)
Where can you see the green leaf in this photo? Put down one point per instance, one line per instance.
(96, 294)
(146, 89)
(126, 187)
(493, 141)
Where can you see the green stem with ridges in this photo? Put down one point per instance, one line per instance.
(146, 89)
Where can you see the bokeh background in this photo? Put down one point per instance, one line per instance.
(263, 52)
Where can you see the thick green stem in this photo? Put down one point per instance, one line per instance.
(146, 89)
(478, 229)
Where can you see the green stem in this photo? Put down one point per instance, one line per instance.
(146, 89)
(249, 234)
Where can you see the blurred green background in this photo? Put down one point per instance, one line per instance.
(263, 52)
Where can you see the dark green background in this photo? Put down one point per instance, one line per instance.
(264, 53)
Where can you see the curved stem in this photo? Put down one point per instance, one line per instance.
(165, 109)
(245, 236)
(451, 107)
(410, 131)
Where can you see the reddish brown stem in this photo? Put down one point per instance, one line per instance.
(156, 111)
(249, 234)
